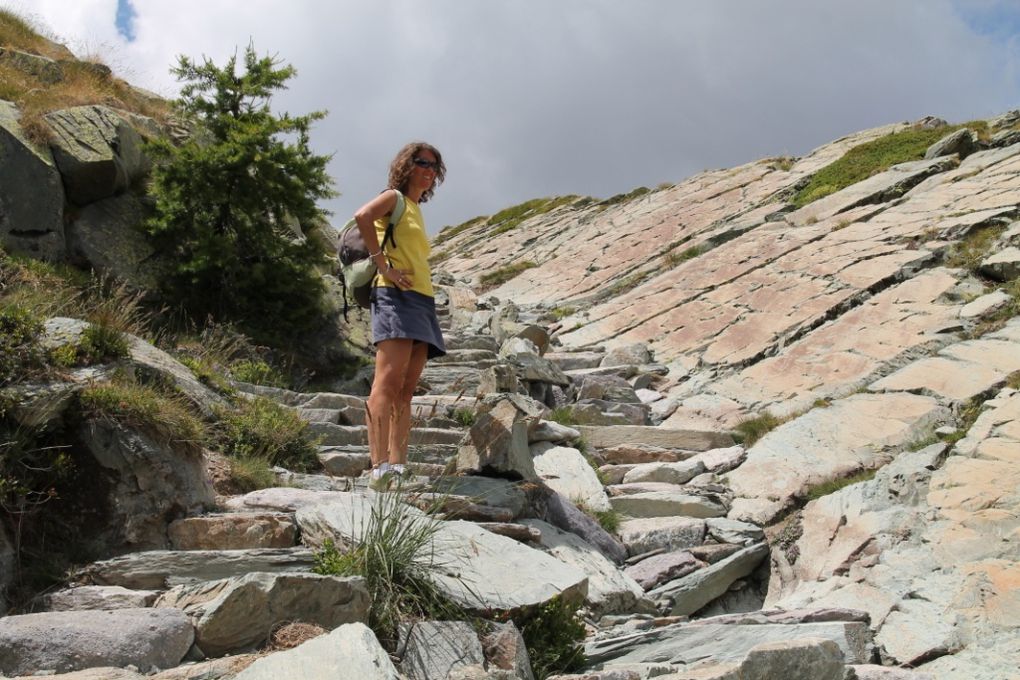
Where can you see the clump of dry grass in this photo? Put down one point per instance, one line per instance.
(291, 634)
(82, 82)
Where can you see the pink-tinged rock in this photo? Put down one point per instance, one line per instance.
(661, 568)
(957, 380)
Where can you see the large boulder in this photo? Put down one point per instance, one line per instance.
(70, 641)
(153, 483)
(565, 470)
(434, 649)
(477, 568)
(32, 199)
(237, 614)
(105, 236)
(350, 651)
(98, 152)
(498, 440)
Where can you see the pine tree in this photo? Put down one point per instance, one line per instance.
(223, 199)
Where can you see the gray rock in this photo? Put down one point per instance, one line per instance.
(70, 641)
(498, 442)
(487, 491)
(649, 573)
(476, 568)
(610, 591)
(692, 592)
(156, 363)
(279, 499)
(726, 530)
(565, 470)
(635, 355)
(237, 614)
(607, 388)
(499, 378)
(533, 368)
(233, 531)
(962, 142)
(152, 483)
(45, 69)
(39, 404)
(434, 649)
(687, 440)
(1003, 265)
(985, 305)
(350, 651)
(872, 672)
(569, 361)
(661, 533)
(670, 473)
(690, 643)
(800, 659)
(600, 412)
(722, 460)
(561, 513)
(96, 597)
(32, 200)
(98, 152)
(105, 236)
(506, 650)
(345, 463)
(514, 346)
(158, 569)
(667, 504)
(551, 431)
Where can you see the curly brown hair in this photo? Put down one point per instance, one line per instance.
(400, 168)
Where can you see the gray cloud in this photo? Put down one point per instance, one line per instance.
(596, 97)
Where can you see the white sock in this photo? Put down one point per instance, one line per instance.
(380, 470)
(398, 468)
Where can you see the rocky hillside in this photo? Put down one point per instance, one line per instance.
(761, 424)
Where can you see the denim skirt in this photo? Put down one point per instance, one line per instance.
(406, 314)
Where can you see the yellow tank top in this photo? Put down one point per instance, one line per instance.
(412, 249)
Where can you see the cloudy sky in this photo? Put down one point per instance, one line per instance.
(529, 98)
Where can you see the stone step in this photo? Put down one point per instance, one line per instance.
(486, 342)
(347, 435)
(234, 531)
(570, 361)
(602, 437)
(667, 504)
(482, 357)
(347, 460)
(157, 569)
(452, 380)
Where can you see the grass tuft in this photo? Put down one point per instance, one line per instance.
(752, 429)
(123, 400)
(263, 430)
(834, 485)
(394, 554)
(503, 274)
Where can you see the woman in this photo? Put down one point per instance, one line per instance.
(405, 329)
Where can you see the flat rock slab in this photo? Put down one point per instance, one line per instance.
(691, 643)
(565, 470)
(610, 590)
(71, 641)
(834, 442)
(661, 533)
(688, 440)
(97, 597)
(475, 567)
(350, 651)
(663, 567)
(667, 504)
(158, 569)
(690, 593)
(948, 378)
(237, 614)
(233, 531)
(670, 473)
(279, 498)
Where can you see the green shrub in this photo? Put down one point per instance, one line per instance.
(503, 274)
(465, 417)
(560, 313)
(833, 485)
(553, 635)
(262, 429)
(394, 555)
(871, 158)
(167, 417)
(21, 355)
(223, 199)
(257, 372)
(623, 198)
(251, 473)
(563, 415)
(208, 374)
(509, 218)
(974, 248)
(752, 429)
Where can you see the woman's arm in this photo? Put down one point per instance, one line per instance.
(366, 215)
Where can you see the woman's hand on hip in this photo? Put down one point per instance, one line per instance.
(402, 278)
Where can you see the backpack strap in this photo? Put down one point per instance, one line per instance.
(395, 215)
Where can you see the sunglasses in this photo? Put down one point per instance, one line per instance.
(431, 165)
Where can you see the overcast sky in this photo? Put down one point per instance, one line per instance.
(529, 98)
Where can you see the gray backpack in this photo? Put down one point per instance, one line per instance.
(357, 270)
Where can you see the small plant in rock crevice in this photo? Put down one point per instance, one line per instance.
(503, 274)
(166, 416)
(750, 430)
(553, 635)
(393, 552)
(832, 486)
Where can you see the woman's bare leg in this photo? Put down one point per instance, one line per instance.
(392, 359)
(400, 427)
